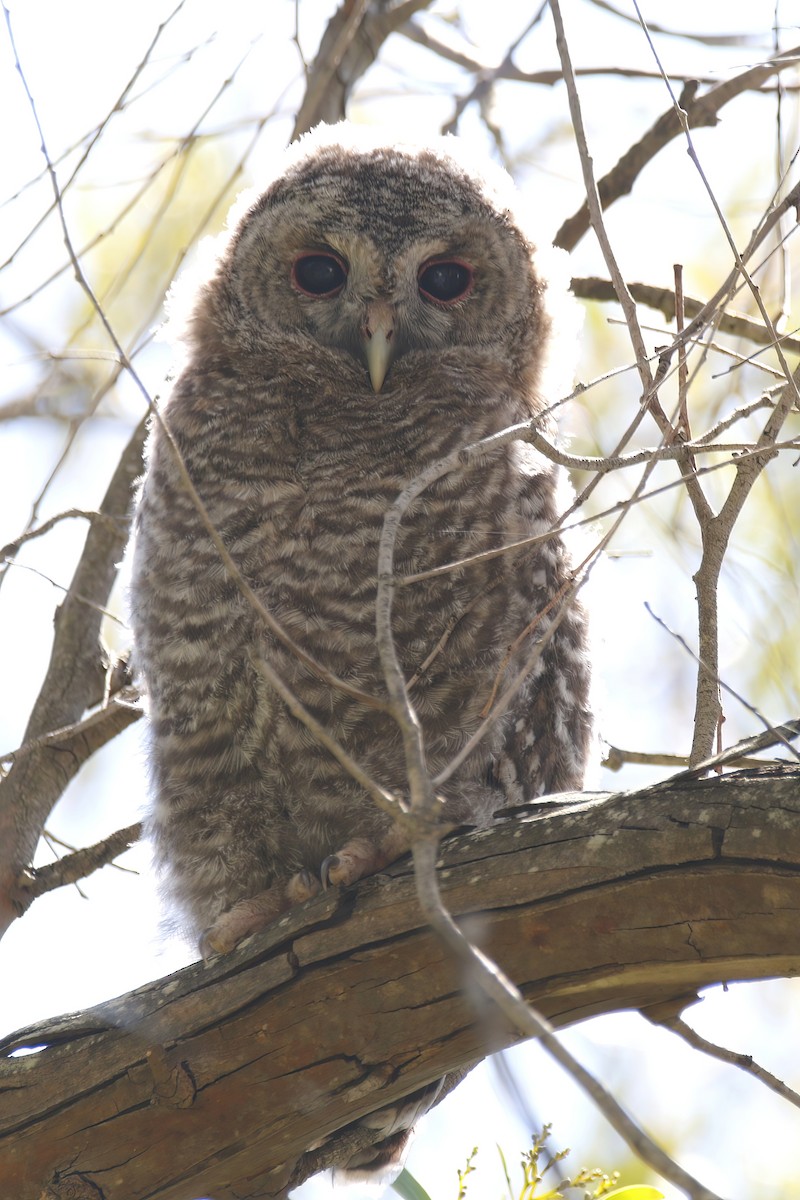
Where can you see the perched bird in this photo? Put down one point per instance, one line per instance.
(375, 308)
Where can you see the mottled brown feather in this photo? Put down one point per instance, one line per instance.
(296, 459)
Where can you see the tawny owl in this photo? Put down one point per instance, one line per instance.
(377, 307)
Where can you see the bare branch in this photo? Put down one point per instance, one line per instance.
(616, 758)
(34, 783)
(81, 738)
(349, 46)
(710, 851)
(35, 881)
(702, 111)
(464, 56)
(663, 299)
(745, 1062)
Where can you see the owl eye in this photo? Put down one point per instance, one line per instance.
(319, 275)
(445, 281)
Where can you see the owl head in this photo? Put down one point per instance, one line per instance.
(383, 255)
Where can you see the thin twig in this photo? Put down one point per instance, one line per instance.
(771, 729)
(464, 55)
(615, 758)
(638, 497)
(762, 232)
(384, 799)
(488, 976)
(701, 111)
(745, 1062)
(114, 716)
(595, 208)
(591, 287)
(70, 514)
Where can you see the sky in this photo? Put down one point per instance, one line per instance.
(69, 951)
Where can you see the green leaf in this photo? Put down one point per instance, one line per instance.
(505, 1171)
(407, 1187)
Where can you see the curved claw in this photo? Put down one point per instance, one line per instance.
(328, 864)
(307, 880)
(208, 946)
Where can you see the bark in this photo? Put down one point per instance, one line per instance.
(73, 681)
(217, 1080)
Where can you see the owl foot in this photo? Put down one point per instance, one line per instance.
(251, 915)
(302, 886)
(242, 919)
(360, 857)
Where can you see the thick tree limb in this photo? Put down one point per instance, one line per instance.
(217, 1080)
(350, 44)
(36, 781)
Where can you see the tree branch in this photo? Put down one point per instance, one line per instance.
(700, 111)
(349, 46)
(37, 779)
(77, 865)
(744, 1061)
(224, 1074)
(663, 300)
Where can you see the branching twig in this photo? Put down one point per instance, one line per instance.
(81, 738)
(700, 111)
(11, 548)
(349, 46)
(465, 56)
(663, 299)
(716, 530)
(744, 1061)
(481, 971)
(37, 880)
(707, 670)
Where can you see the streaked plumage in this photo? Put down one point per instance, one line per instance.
(430, 294)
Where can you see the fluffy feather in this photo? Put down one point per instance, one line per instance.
(296, 459)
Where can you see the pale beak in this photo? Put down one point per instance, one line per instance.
(378, 334)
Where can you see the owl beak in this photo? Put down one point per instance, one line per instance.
(378, 335)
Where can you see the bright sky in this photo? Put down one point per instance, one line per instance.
(71, 952)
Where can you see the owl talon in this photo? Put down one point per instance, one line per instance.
(208, 946)
(328, 864)
(303, 886)
(358, 858)
(242, 919)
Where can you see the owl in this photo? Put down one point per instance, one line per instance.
(376, 307)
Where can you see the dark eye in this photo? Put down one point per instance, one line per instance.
(446, 281)
(318, 274)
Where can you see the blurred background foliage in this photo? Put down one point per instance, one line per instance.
(153, 126)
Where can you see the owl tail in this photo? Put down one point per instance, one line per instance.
(383, 1160)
